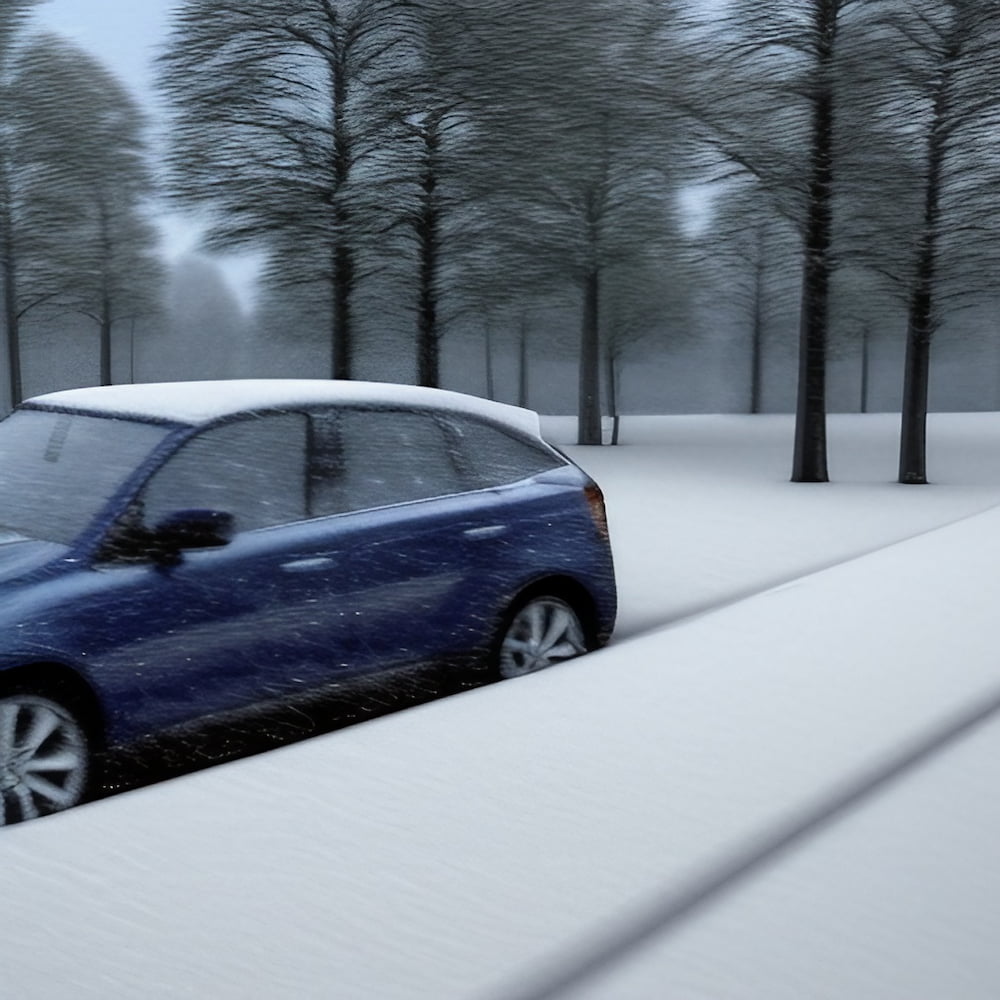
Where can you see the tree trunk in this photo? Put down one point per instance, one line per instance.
(916, 378)
(428, 348)
(343, 279)
(343, 257)
(809, 460)
(428, 353)
(920, 321)
(916, 371)
(488, 347)
(131, 351)
(11, 328)
(866, 364)
(105, 333)
(611, 378)
(522, 363)
(105, 313)
(589, 410)
(8, 283)
(757, 335)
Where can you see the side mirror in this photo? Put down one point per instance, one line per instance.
(193, 529)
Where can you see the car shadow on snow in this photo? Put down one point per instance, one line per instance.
(264, 727)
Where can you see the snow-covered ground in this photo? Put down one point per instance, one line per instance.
(702, 512)
(473, 846)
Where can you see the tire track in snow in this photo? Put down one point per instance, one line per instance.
(669, 911)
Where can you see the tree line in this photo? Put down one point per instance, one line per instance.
(449, 168)
(75, 238)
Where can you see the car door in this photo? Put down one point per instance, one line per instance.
(221, 627)
(409, 525)
(529, 494)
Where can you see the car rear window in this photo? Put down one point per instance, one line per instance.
(375, 458)
(366, 458)
(493, 457)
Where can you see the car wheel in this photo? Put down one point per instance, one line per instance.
(44, 757)
(542, 631)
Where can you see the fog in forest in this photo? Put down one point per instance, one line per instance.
(583, 207)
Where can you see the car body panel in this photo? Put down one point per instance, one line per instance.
(292, 606)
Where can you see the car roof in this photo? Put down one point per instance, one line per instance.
(202, 402)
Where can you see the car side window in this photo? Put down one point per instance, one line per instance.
(493, 457)
(252, 468)
(374, 458)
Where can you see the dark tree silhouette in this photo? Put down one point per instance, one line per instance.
(72, 184)
(644, 312)
(951, 56)
(809, 459)
(13, 16)
(419, 174)
(90, 234)
(570, 142)
(272, 127)
(787, 106)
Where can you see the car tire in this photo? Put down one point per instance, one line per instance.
(539, 631)
(45, 753)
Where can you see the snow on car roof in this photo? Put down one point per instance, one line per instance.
(201, 402)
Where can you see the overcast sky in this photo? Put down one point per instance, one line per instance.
(125, 35)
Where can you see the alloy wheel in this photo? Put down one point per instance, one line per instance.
(544, 631)
(43, 758)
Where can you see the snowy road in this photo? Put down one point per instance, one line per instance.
(469, 847)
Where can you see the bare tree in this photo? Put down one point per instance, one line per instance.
(647, 309)
(950, 57)
(789, 107)
(421, 193)
(572, 143)
(72, 182)
(85, 219)
(270, 129)
(13, 16)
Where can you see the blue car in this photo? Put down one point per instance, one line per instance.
(170, 552)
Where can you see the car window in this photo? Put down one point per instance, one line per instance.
(374, 458)
(253, 468)
(60, 469)
(492, 457)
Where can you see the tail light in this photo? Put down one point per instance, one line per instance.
(595, 502)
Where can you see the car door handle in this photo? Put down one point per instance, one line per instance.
(488, 531)
(309, 565)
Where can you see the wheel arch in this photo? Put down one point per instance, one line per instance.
(63, 684)
(573, 592)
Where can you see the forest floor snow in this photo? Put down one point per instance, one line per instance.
(701, 509)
